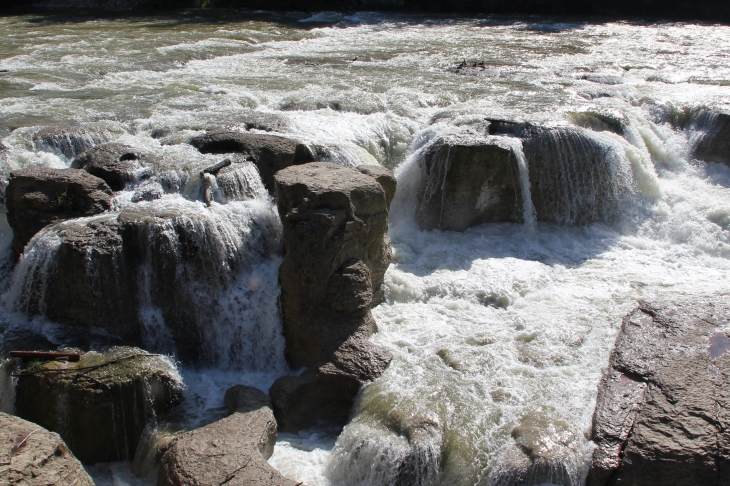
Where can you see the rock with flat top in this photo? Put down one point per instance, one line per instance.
(117, 164)
(712, 132)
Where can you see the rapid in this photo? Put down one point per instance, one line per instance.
(499, 334)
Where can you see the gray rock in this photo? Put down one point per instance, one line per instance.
(101, 404)
(268, 122)
(115, 163)
(66, 141)
(336, 252)
(38, 197)
(713, 144)
(41, 460)
(270, 153)
(148, 191)
(662, 411)
(467, 181)
(327, 392)
(231, 451)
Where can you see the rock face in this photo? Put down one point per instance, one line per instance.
(663, 406)
(38, 197)
(115, 163)
(469, 181)
(713, 144)
(41, 460)
(66, 141)
(270, 153)
(232, 451)
(100, 405)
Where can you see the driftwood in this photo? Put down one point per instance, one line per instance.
(206, 186)
(215, 168)
(46, 355)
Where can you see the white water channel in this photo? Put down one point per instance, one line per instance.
(499, 334)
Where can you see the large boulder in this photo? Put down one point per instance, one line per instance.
(117, 164)
(231, 451)
(32, 456)
(38, 197)
(467, 181)
(336, 252)
(663, 406)
(712, 135)
(270, 153)
(101, 404)
(327, 392)
(66, 141)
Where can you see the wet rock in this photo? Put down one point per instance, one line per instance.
(713, 136)
(101, 404)
(32, 456)
(148, 191)
(115, 163)
(336, 252)
(270, 153)
(38, 197)
(268, 122)
(66, 141)
(421, 463)
(662, 410)
(231, 451)
(467, 181)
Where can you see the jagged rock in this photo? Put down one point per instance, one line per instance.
(231, 451)
(101, 404)
(327, 392)
(41, 460)
(662, 410)
(148, 191)
(336, 251)
(713, 144)
(269, 122)
(469, 180)
(270, 153)
(38, 197)
(66, 141)
(115, 163)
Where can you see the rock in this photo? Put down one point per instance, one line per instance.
(327, 392)
(231, 451)
(712, 128)
(41, 460)
(270, 153)
(38, 197)
(115, 163)
(467, 181)
(268, 122)
(662, 410)
(148, 191)
(101, 404)
(336, 251)
(385, 178)
(66, 141)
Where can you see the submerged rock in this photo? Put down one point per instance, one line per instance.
(231, 451)
(101, 404)
(38, 197)
(713, 129)
(66, 141)
(662, 410)
(468, 181)
(32, 456)
(115, 163)
(270, 153)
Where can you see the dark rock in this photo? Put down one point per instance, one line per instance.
(38, 197)
(662, 410)
(712, 127)
(41, 460)
(327, 392)
(66, 141)
(101, 404)
(336, 252)
(384, 177)
(270, 153)
(231, 451)
(148, 191)
(468, 181)
(115, 163)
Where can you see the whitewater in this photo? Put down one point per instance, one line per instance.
(500, 334)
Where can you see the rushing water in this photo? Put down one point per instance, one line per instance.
(500, 333)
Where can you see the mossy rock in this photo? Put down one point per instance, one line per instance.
(101, 404)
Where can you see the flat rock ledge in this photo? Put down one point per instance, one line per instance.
(232, 451)
(663, 410)
(32, 456)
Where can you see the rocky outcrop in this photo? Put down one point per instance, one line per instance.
(713, 136)
(231, 451)
(101, 404)
(114, 163)
(327, 392)
(469, 180)
(270, 153)
(662, 411)
(66, 141)
(32, 456)
(38, 197)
